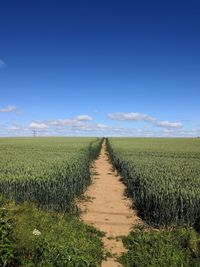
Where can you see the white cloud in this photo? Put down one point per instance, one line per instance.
(38, 125)
(10, 108)
(132, 116)
(82, 125)
(83, 118)
(90, 127)
(169, 125)
(44, 128)
(2, 63)
(102, 126)
(65, 122)
(15, 127)
(60, 122)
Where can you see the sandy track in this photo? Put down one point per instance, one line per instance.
(108, 209)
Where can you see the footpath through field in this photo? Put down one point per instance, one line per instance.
(107, 208)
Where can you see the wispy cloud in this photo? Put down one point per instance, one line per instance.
(44, 128)
(60, 122)
(82, 125)
(78, 120)
(132, 116)
(65, 122)
(2, 63)
(15, 127)
(10, 108)
(169, 125)
(83, 118)
(135, 116)
(38, 125)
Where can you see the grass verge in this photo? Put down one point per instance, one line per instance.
(174, 247)
(39, 238)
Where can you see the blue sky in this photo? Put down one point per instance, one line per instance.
(127, 68)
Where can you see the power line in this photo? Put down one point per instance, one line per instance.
(34, 132)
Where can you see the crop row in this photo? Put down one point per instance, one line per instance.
(47, 171)
(162, 176)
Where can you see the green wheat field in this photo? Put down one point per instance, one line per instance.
(40, 178)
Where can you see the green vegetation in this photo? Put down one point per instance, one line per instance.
(174, 248)
(47, 171)
(38, 238)
(7, 250)
(162, 176)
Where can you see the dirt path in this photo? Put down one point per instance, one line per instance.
(108, 209)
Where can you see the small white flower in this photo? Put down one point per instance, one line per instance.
(36, 232)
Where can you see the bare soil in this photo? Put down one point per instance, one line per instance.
(107, 208)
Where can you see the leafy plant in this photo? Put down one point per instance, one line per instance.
(49, 239)
(172, 248)
(7, 250)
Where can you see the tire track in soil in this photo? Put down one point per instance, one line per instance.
(108, 209)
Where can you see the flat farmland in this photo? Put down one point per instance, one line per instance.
(153, 219)
(47, 171)
(162, 175)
